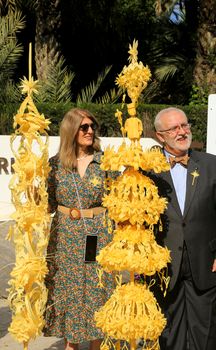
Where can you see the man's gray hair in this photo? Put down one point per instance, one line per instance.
(157, 121)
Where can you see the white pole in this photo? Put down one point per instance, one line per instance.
(211, 125)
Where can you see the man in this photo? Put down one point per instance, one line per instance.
(189, 231)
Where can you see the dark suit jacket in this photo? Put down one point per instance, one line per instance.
(197, 226)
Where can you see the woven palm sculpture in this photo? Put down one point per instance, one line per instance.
(132, 312)
(27, 293)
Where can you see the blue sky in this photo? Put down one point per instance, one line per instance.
(174, 16)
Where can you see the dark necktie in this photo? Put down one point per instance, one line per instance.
(182, 160)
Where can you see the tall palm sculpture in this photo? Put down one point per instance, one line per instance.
(27, 293)
(132, 312)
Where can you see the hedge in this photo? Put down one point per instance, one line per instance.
(105, 115)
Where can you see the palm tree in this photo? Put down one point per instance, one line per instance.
(172, 59)
(45, 17)
(201, 19)
(205, 66)
(47, 50)
(57, 86)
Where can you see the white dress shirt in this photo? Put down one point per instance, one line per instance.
(179, 177)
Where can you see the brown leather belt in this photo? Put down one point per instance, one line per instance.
(76, 214)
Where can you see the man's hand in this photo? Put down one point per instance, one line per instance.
(214, 266)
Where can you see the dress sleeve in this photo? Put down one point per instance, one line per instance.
(51, 182)
(113, 174)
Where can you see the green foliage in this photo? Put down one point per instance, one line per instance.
(7, 112)
(54, 112)
(168, 68)
(105, 114)
(197, 116)
(99, 37)
(10, 51)
(13, 5)
(57, 87)
(171, 60)
(88, 94)
(111, 96)
(198, 96)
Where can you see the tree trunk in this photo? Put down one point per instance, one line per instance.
(205, 64)
(48, 20)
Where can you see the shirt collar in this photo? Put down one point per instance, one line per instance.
(168, 154)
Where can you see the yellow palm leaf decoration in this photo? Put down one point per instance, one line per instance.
(27, 293)
(134, 204)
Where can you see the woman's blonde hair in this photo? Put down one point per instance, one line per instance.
(69, 128)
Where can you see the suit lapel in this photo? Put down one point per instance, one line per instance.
(172, 194)
(192, 181)
(191, 185)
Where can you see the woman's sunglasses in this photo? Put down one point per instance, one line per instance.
(85, 127)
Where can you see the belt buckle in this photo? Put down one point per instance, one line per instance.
(75, 214)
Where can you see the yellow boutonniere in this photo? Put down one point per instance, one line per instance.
(194, 174)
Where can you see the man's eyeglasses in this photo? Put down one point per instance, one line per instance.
(175, 129)
(85, 127)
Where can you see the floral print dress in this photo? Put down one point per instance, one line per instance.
(73, 291)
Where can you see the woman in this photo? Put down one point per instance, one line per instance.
(75, 187)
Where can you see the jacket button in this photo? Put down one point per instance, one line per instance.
(183, 224)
